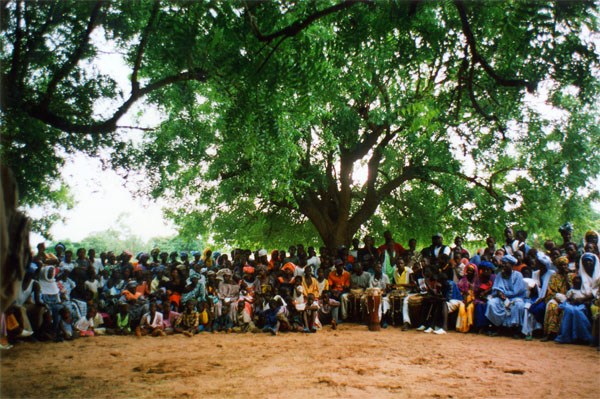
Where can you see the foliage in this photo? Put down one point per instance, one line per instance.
(112, 240)
(286, 119)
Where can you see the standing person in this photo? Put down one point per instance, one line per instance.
(488, 252)
(59, 250)
(43, 258)
(368, 249)
(507, 305)
(411, 255)
(458, 245)
(509, 235)
(566, 232)
(96, 263)
(437, 249)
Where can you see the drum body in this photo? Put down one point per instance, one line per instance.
(373, 303)
(415, 304)
(397, 299)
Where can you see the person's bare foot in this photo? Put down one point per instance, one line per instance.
(406, 327)
(187, 333)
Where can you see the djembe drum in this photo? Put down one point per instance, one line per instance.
(372, 308)
(354, 308)
(397, 298)
(415, 304)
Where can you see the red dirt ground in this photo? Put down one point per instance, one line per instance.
(348, 363)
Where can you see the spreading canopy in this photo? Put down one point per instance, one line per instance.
(295, 119)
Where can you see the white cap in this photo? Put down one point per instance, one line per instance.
(262, 252)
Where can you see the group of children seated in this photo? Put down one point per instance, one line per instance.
(513, 289)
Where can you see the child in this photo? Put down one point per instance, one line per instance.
(271, 322)
(152, 323)
(322, 281)
(187, 323)
(206, 317)
(243, 321)
(85, 325)
(575, 296)
(169, 317)
(123, 320)
(310, 314)
(65, 325)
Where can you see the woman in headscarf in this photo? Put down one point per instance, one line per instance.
(575, 325)
(543, 271)
(207, 258)
(482, 288)
(466, 286)
(558, 285)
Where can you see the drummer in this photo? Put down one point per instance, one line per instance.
(359, 282)
(381, 281)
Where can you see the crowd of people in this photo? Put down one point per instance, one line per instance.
(510, 289)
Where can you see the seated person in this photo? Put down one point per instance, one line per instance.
(506, 307)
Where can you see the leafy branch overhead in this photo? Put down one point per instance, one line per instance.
(336, 115)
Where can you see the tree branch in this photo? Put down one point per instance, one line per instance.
(39, 111)
(142, 46)
(531, 86)
(74, 58)
(299, 25)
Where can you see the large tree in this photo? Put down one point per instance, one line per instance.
(274, 109)
(431, 102)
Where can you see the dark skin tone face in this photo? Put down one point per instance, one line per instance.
(509, 234)
(571, 250)
(566, 235)
(593, 238)
(436, 241)
(412, 244)
(491, 242)
(506, 269)
(588, 266)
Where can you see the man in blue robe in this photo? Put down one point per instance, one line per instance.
(506, 307)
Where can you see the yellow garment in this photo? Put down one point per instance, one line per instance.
(466, 315)
(204, 317)
(312, 289)
(401, 278)
(208, 262)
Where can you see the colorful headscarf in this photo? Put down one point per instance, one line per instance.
(207, 259)
(289, 266)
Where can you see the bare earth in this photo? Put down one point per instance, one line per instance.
(351, 362)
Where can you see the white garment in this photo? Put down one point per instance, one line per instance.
(48, 285)
(590, 284)
(68, 267)
(97, 265)
(156, 322)
(24, 294)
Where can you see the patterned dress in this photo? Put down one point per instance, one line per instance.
(558, 284)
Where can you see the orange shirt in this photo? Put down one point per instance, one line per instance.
(338, 283)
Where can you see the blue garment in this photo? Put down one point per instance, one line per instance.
(480, 319)
(575, 325)
(515, 291)
(538, 311)
(451, 291)
(271, 317)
